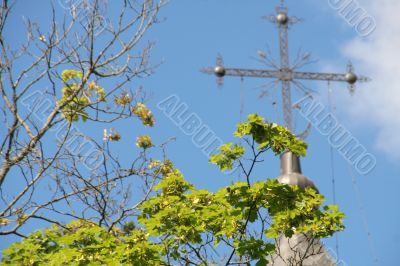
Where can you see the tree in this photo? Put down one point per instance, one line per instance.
(181, 225)
(78, 71)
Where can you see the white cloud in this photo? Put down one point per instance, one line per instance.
(377, 103)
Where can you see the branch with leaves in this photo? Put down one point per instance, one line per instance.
(181, 225)
(78, 71)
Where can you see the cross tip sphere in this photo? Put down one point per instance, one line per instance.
(219, 71)
(351, 78)
(282, 18)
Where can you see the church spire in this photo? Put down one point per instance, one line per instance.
(301, 247)
(291, 172)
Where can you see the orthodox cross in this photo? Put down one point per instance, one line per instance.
(284, 73)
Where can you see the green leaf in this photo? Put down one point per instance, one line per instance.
(229, 153)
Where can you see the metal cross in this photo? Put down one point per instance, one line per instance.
(284, 73)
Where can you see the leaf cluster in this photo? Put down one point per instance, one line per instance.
(76, 97)
(268, 136)
(83, 243)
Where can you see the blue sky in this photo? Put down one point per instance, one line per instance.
(195, 31)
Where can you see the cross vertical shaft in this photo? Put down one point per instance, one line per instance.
(284, 57)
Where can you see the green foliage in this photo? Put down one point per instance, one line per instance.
(67, 75)
(270, 136)
(180, 221)
(298, 211)
(144, 114)
(83, 243)
(228, 154)
(163, 168)
(122, 99)
(266, 135)
(182, 215)
(253, 248)
(76, 97)
(144, 142)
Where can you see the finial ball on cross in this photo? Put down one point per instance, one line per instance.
(282, 18)
(219, 71)
(351, 78)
